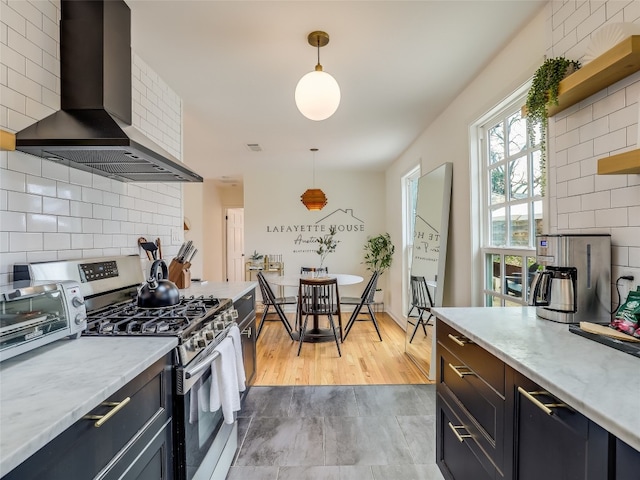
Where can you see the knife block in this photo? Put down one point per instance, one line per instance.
(180, 274)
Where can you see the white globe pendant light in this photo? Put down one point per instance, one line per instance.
(317, 93)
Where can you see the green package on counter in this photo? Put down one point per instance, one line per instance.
(627, 316)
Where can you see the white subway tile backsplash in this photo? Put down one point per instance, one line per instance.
(111, 199)
(581, 117)
(45, 256)
(13, 19)
(626, 236)
(56, 206)
(25, 242)
(40, 38)
(15, 121)
(13, 60)
(595, 201)
(82, 241)
(624, 117)
(568, 172)
(594, 129)
(634, 216)
(580, 186)
(101, 183)
(13, 221)
(55, 171)
(103, 241)
(4, 242)
(568, 205)
(119, 214)
(619, 255)
(632, 12)
(582, 220)
(29, 11)
(41, 186)
(610, 182)
(37, 110)
(626, 196)
(610, 142)
(634, 257)
(51, 99)
(21, 162)
(593, 22)
(69, 224)
(14, 181)
(51, 64)
(613, 217)
(567, 140)
(41, 223)
(80, 177)
(3, 200)
(91, 195)
(91, 225)
(24, 202)
(24, 85)
(102, 212)
(609, 104)
(111, 226)
(68, 191)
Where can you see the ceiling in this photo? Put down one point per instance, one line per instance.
(236, 65)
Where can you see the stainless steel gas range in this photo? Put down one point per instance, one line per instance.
(203, 444)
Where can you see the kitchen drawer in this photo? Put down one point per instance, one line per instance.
(627, 464)
(457, 454)
(84, 450)
(484, 406)
(488, 367)
(245, 305)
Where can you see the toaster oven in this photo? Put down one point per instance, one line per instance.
(33, 314)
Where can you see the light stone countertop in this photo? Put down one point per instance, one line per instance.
(45, 391)
(232, 290)
(600, 382)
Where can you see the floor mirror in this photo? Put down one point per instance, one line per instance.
(431, 226)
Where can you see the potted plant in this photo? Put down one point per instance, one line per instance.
(256, 258)
(327, 244)
(378, 255)
(544, 92)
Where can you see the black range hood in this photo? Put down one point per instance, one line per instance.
(93, 130)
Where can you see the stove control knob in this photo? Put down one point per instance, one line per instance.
(77, 301)
(200, 341)
(209, 335)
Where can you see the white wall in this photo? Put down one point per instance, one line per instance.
(49, 211)
(278, 223)
(447, 140)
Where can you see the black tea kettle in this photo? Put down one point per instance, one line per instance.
(158, 292)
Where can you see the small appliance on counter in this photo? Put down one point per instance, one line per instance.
(575, 283)
(33, 314)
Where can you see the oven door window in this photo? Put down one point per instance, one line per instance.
(201, 424)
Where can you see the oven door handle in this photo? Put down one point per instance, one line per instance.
(191, 372)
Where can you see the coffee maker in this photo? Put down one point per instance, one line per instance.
(574, 282)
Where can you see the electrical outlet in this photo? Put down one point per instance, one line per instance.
(175, 236)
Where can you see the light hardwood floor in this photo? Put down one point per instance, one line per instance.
(365, 359)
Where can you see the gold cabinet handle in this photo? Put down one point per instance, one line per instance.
(545, 407)
(454, 429)
(247, 332)
(459, 373)
(457, 340)
(101, 419)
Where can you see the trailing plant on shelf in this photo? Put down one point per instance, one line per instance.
(544, 92)
(378, 252)
(327, 244)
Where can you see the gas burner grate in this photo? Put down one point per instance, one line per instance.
(179, 320)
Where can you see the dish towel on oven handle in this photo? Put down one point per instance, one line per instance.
(225, 391)
(234, 333)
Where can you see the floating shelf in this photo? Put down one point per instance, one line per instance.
(613, 65)
(7, 141)
(623, 163)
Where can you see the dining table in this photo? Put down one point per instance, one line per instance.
(316, 334)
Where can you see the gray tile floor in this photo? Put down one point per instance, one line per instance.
(337, 433)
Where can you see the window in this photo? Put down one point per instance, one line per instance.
(512, 190)
(410, 200)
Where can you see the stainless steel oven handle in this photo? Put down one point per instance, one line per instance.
(203, 365)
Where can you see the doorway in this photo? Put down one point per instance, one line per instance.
(235, 244)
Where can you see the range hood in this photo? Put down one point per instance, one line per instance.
(93, 130)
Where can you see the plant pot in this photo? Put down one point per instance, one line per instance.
(378, 296)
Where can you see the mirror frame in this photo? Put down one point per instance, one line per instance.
(442, 255)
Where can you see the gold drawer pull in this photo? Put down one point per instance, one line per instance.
(101, 419)
(545, 407)
(459, 373)
(247, 332)
(457, 340)
(454, 429)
